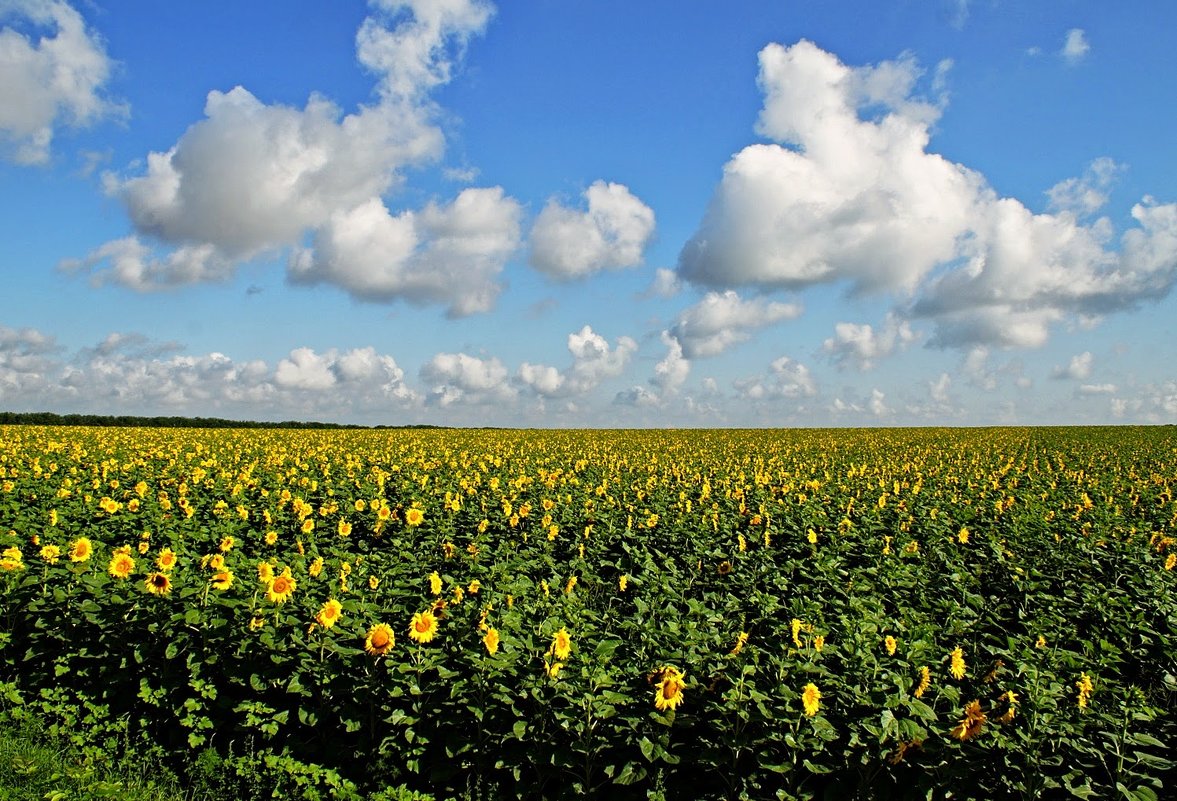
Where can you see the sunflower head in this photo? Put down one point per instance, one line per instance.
(669, 692)
(329, 615)
(811, 699)
(121, 565)
(423, 627)
(491, 640)
(562, 644)
(80, 550)
(158, 584)
(280, 588)
(380, 639)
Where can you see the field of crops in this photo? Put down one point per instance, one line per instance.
(965, 613)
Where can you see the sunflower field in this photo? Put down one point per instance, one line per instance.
(919, 613)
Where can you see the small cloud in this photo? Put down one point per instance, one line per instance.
(1087, 194)
(1075, 46)
(461, 175)
(540, 308)
(610, 234)
(1078, 369)
(253, 289)
(666, 284)
(1097, 389)
(722, 319)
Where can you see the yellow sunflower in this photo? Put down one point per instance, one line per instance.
(491, 640)
(121, 565)
(158, 584)
(925, 682)
(669, 692)
(280, 588)
(380, 639)
(562, 644)
(330, 613)
(166, 560)
(222, 580)
(414, 517)
(971, 724)
(423, 627)
(50, 553)
(80, 550)
(811, 699)
(434, 583)
(957, 667)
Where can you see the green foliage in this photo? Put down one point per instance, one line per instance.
(756, 563)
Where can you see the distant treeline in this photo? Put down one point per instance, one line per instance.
(124, 420)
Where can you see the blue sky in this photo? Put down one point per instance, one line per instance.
(560, 213)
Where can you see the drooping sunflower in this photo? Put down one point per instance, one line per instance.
(50, 553)
(222, 580)
(669, 692)
(280, 588)
(380, 639)
(423, 627)
(158, 583)
(166, 560)
(925, 682)
(957, 668)
(562, 644)
(12, 559)
(81, 549)
(811, 699)
(316, 567)
(491, 640)
(971, 724)
(434, 583)
(329, 615)
(121, 565)
(265, 571)
(227, 544)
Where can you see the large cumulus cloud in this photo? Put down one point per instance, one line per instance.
(848, 192)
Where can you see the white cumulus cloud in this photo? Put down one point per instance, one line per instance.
(861, 345)
(255, 178)
(1085, 195)
(48, 80)
(1078, 368)
(460, 377)
(611, 233)
(786, 378)
(848, 192)
(723, 319)
(1075, 46)
(593, 360)
(449, 254)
